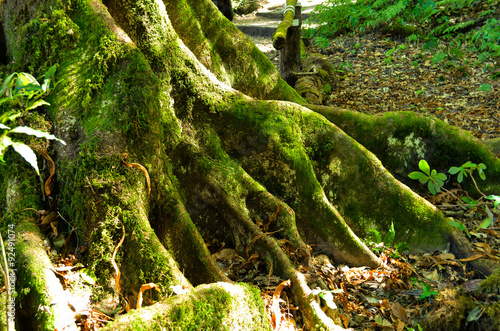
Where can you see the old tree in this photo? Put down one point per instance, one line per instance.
(216, 142)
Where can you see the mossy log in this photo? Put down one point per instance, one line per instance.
(224, 141)
(315, 79)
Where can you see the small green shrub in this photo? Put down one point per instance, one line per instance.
(22, 93)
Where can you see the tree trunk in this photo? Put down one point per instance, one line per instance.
(224, 140)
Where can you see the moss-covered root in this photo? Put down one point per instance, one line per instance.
(218, 306)
(463, 248)
(245, 231)
(226, 51)
(42, 303)
(401, 139)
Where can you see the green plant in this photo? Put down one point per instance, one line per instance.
(460, 226)
(321, 42)
(23, 91)
(467, 169)
(426, 289)
(462, 22)
(485, 87)
(378, 244)
(435, 180)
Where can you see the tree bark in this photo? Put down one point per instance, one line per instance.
(224, 141)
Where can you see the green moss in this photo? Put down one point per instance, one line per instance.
(205, 313)
(219, 306)
(491, 285)
(401, 139)
(445, 318)
(45, 39)
(493, 311)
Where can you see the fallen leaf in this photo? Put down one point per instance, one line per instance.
(399, 312)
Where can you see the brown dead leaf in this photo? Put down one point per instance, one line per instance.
(275, 306)
(446, 256)
(257, 238)
(49, 218)
(400, 326)
(345, 320)
(113, 262)
(248, 263)
(225, 254)
(472, 258)
(273, 216)
(52, 170)
(399, 312)
(492, 232)
(53, 225)
(483, 246)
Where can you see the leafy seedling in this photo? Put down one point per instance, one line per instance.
(467, 169)
(435, 180)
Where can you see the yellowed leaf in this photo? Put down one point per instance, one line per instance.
(446, 256)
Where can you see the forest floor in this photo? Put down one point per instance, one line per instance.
(379, 73)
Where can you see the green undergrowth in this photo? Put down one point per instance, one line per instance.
(467, 25)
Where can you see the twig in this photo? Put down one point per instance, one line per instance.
(475, 184)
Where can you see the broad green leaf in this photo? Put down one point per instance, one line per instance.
(456, 225)
(481, 174)
(37, 133)
(27, 153)
(454, 170)
(439, 182)
(432, 188)
(424, 166)
(389, 237)
(4, 100)
(469, 201)
(468, 164)
(460, 177)
(433, 173)
(4, 143)
(486, 223)
(24, 79)
(4, 127)
(495, 198)
(36, 104)
(6, 83)
(9, 116)
(376, 237)
(441, 176)
(417, 175)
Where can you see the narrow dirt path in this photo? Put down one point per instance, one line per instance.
(260, 25)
